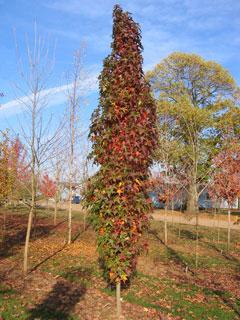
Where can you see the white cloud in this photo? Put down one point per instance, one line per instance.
(54, 96)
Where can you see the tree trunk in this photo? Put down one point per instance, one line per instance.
(179, 226)
(197, 242)
(29, 226)
(192, 201)
(218, 240)
(70, 217)
(55, 212)
(229, 229)
(214, 221)
(72, 142)
(57, 194)
(118, 298)
(165, 226)
(4, 226)
(84, 219)
(33, 191)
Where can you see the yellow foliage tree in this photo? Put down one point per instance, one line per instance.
(196, 108)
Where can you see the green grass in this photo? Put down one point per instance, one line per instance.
(170, 295)
(11, 307)
(180, 299)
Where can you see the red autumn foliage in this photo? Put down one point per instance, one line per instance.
(166, 187)
(124, 137)
(48, 187)
(18, 161)
(226, 180)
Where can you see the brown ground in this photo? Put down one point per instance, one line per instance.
(45, 286)
(205, 219)
(44, 289)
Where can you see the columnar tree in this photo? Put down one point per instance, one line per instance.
(123, 135)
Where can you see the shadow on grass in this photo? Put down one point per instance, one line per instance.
(78, 274)
(59, 250)
(154, 233)
(47, 258)
(13, 242)
(60, 301)
(80, 233)
(16, 239)
(176, 257)
(189, 235)
(223, 296)
(226, 255)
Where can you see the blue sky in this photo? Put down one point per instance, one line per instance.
(209, 28)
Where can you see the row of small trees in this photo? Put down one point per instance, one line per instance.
(49, 144)
(223, 187)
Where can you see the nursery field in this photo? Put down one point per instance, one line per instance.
(65, 281)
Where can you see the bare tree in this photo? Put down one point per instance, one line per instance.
(74, 96)
(38, 131)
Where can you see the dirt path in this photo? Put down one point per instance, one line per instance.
(204, 220)
(177, 217)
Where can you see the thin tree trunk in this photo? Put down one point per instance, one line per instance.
(70, 216)
(218, 227)
(165, 225)
(229, 229)
(118, 298)
(33, 187)
(84, 219)
(34, 223)
(71, 178)
(73, 98)
(197, 242)
(55, 212)
(179, 226)
(29, 226)
(57, 194)
(214, 221)
(172, 209)
(4, 226)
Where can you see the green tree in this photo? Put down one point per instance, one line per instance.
(195, 101)
(123, 135)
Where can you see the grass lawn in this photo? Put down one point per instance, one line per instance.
(65, 282)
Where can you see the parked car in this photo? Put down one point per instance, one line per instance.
(76, 199)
